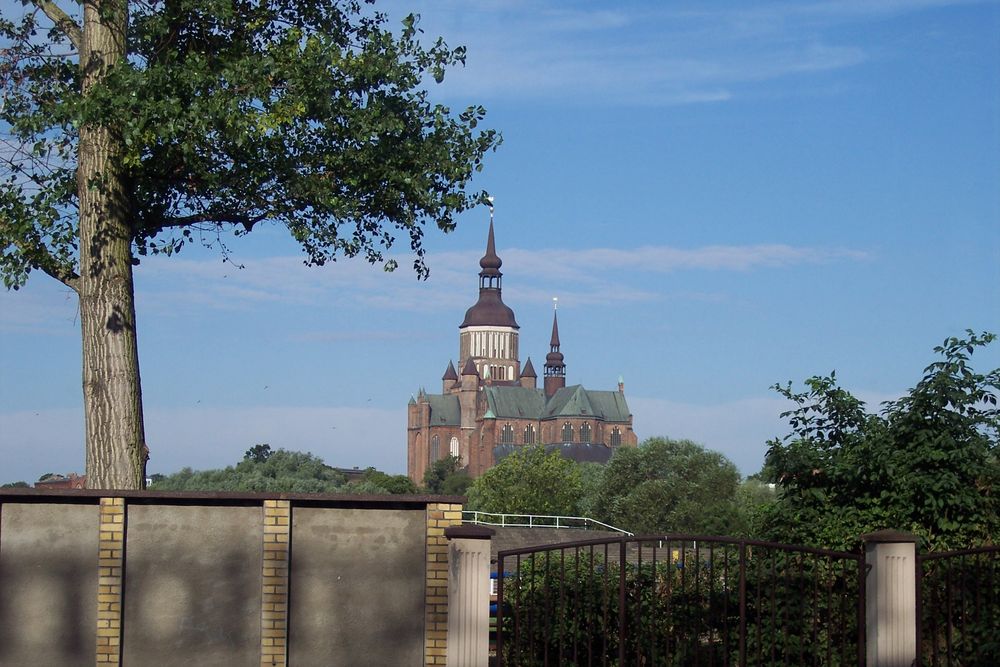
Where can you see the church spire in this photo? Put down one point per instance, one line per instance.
(555, 369)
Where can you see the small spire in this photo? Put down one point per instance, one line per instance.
(554, 342)
(470, 368)
(449, 373)
(529, 370)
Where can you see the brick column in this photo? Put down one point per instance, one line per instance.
(111, 548)
(274, 579)
(439, 517)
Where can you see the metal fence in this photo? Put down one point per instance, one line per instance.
(958, 598)
(679, 600)
(537, 521)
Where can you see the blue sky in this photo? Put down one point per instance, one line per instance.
(722, 196)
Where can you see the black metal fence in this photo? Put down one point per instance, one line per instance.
(958, 598)
(680, 600)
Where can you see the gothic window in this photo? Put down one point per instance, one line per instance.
(507, 435)
(585, 433)
(567, 432)
(616, 437)
(435, 448)
(453, 449)
(529, 435)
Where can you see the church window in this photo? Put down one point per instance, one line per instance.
(567, 432)
(616, 437)
(453, 450)
(435, 448)
(529, 435)
(507, 435)
(585, 433)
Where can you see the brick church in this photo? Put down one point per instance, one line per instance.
(493, 405)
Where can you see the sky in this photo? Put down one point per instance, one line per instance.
(723, 196)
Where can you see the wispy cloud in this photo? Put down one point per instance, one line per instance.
(642, 54)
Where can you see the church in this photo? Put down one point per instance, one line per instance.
(493, 405)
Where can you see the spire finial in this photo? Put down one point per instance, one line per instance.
(489, 202)
(555, 303)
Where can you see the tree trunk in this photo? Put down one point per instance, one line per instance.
(112, 397)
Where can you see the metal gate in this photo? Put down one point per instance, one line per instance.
(679, 600)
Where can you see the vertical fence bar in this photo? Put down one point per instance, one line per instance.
(499, 621)
(743, 603)
(863, 601)
(919, 604)
(621, 602)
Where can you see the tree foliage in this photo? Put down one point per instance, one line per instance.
(279, 470)
(927, 463)
(149, 125)
(445, 477)
(669, 486)
(529, 481)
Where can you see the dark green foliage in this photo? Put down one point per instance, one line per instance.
(258, 453)
(292, 472)
(681, 606)
(669, 486)
(444, 477)
(927, 464)
(960, 610)
(378, 482)
(15, 485)
(309, 115)
(529, 481)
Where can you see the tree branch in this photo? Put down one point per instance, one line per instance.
(247, 221)
(63, 21)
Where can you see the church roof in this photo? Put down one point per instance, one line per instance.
(445, 410)
(515, 402)
(527, 403)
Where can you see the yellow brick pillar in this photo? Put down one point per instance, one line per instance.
(439, 517)
(274, 579)
(111, 548)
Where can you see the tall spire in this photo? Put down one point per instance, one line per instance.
(555, 369)
(490, 309)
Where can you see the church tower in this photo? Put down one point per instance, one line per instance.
(488, 335)
(555, 369)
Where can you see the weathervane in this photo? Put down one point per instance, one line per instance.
(489, 203)
(555, 303)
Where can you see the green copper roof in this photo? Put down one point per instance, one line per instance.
(515, 402)
(445, 410)
(525, 403)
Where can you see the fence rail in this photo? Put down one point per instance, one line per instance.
(679, 600)
(537, 521)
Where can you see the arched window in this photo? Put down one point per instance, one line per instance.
(435, 448)
(585, 433)
(453, 449)
(616, 437)
(507, 435)
(529, 435)
(567, 432)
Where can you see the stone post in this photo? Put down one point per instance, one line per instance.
(891, 605)
(468, 595)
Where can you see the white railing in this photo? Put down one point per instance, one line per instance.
(537, 521)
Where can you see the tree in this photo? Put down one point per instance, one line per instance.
(139, 127)
(444, 477)
(669, 486)
(926, 464)
(376, 481)
(15, 485)
(258, 453)
(282, 471)
(529, 481)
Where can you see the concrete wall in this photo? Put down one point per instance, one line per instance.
(362, 572)
(145, 578)
(48, 584)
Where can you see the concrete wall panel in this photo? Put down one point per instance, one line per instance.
(357, 587)
(48, 584)
(192, 586)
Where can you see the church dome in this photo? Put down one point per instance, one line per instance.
(489, 311)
